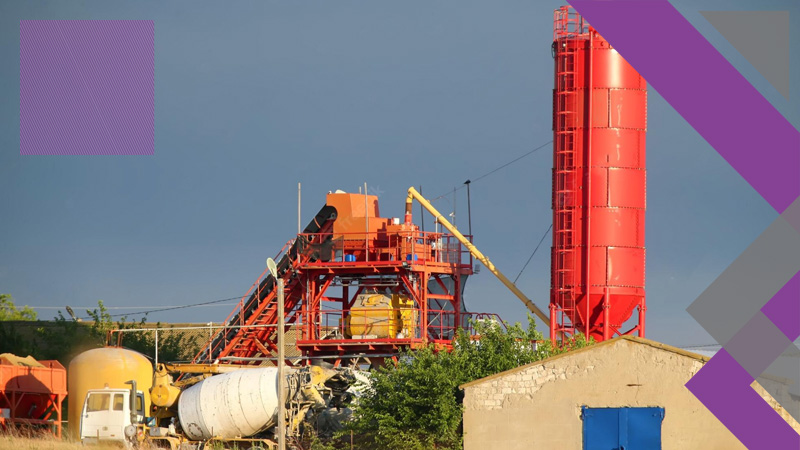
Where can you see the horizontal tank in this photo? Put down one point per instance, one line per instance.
(105, 367)
(382, 316)
(236, 404)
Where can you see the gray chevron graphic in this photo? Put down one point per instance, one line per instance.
(734, 309)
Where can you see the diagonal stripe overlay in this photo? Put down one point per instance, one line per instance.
(705, 89)
(749, 282)
(764, 148)
(87, 87)
(723, 386)
(784, 309)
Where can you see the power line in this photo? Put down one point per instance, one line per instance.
(458, 188)
(699, 346)
(124, 307)
(172, 308)
(534, 252)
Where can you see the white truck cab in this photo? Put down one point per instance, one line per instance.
(107, 412)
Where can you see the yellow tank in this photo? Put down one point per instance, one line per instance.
(101, 367)
(382, 316)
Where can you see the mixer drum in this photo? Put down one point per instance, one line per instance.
(230, 405)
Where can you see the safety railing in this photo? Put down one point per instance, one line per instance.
(391, 324)
(568, 23)
(386, 246)
(181, 344)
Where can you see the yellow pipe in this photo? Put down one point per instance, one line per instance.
(413, 194)
(198, 368)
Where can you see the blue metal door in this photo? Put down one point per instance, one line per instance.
(622, 428)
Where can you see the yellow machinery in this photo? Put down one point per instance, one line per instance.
(380, 316)
(165, 391)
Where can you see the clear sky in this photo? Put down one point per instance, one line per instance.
(253, 97)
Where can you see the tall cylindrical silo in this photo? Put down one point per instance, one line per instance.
(599, 186)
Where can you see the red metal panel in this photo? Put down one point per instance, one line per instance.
(611, 70)
(619, 188)
(600, 108)
(626, 268)
(627, 109)
(614, 227)
(616, 147)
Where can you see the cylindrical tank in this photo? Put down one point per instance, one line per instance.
(235, 404)
(101, 367)
(599, 184)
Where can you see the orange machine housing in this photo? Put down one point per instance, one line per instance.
(599, 185)
(31, 392)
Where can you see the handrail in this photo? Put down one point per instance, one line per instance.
(414, 195)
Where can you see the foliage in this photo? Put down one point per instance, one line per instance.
(11, 340)
(9, 311)
(416, 404)
(172, 346)
(63, 338)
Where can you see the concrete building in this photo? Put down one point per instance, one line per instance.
(627, 388)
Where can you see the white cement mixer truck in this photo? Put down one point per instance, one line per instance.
(229, 406)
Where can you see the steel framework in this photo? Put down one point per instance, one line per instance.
(340, 255)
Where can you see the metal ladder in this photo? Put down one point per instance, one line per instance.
(565, 252)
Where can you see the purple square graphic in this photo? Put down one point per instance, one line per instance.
(86, 87)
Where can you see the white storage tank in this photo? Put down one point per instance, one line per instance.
(235, 404)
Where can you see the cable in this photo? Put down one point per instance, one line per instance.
(125, 307)
(700, 346)
(171, 308)
(495, 170)
(534, 252)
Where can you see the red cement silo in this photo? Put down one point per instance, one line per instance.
(599, 125)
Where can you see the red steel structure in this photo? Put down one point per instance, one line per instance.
(31, 393)
(599, 185)
(349, 250)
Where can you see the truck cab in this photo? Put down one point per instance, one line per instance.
(106, 413)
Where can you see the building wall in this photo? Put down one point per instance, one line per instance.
(538, 407)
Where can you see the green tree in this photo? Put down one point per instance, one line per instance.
(11, 340)
(172, 345)
(416, 404)
(9, 311)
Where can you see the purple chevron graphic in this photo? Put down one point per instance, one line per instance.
(705, 89)
(86, 87)
(735, 119)
(723, 386)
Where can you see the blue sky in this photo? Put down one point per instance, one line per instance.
(253, 97)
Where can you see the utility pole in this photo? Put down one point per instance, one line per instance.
(469, 208)
(273, 270)
(299, 229)
(281, 379)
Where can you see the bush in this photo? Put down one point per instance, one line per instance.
(416, 404)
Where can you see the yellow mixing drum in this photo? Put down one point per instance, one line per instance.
(381, 316)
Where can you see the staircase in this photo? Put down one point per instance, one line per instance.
(250, 329)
